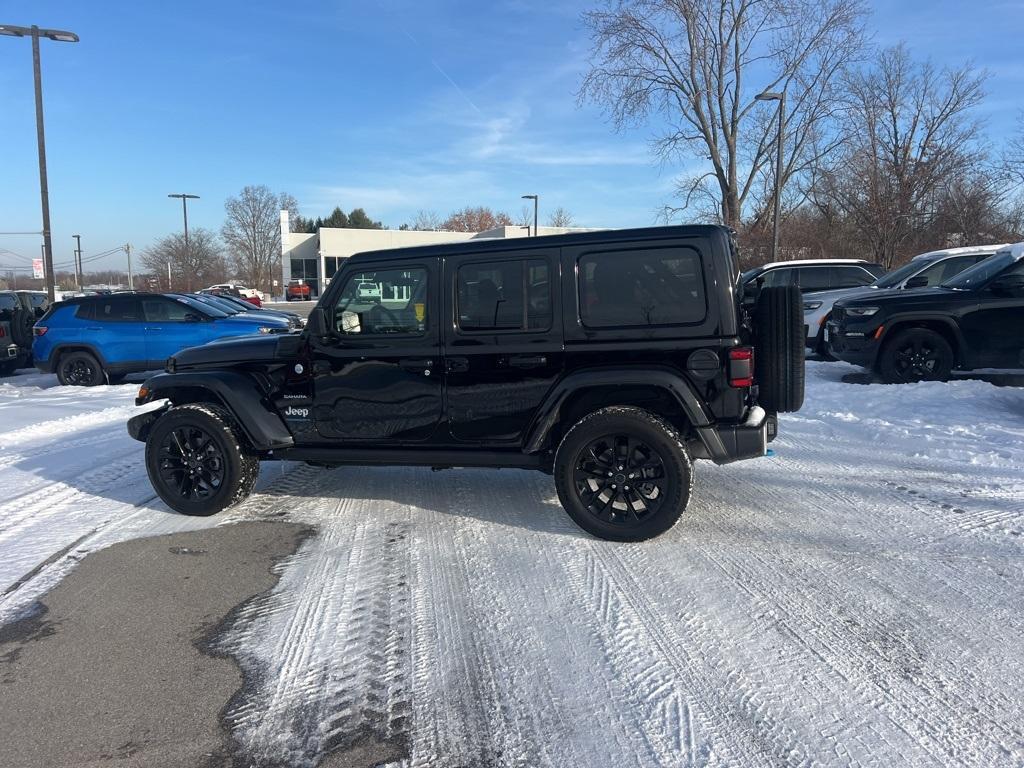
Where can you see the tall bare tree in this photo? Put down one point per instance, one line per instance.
(475, 219)
(693, 63)
(199, 265)
(911, 132)
(426, 221)
(252, 234)
(560, 217)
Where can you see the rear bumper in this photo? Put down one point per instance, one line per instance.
(10, 352)
(43, 364)
(726, 443)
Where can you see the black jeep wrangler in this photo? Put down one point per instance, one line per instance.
(608, 359)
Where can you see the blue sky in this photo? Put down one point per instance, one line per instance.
(391, 105)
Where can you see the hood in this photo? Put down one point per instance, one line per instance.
(905, 298)
(233, 350)
(829, 297)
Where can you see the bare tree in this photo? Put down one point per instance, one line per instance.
(477, 219)
(252, 233)
(560, 218)
(199, 265)
(426, 221)
(910, 132)
(691, 62)
(1013, 154)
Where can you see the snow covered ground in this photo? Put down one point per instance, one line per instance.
(855, 599)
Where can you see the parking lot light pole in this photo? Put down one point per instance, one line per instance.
(535, 198)
(63, 37)
(188, 251)
(780, 97)
(78, 261)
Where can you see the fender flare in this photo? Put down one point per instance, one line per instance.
(899, 322)
(662, 378)
(75, 346)
(239, 393)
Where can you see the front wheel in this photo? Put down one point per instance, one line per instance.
(916, 354)
(623, 474)
(196, 462)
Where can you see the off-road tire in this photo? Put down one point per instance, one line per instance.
(240, 466)
(22, 321)
(931, 345)
(644, 426)
(79, 369)
(780, 349)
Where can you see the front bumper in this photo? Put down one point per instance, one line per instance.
(139, 426)
(852, 346)
(726, 443)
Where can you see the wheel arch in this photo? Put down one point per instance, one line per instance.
(660, 390)
(240, 394)
(68, 347)
(943, 326)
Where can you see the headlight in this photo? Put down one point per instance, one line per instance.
(264, 329)
(861, 311)
(810, 306)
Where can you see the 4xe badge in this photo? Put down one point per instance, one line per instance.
(297, 413)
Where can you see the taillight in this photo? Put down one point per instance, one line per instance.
(3, 331)
(39, 330)
(741, 367)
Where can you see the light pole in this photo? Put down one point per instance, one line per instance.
(128, 253)
(188, 252)
(535, 198)
(64, 37)
(78, 261)
(779, 96)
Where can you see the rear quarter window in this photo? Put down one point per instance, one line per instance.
(641, 288)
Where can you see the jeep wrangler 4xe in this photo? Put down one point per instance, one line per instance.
(609, 359)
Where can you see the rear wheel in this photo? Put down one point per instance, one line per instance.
(916, 354)
(196, 460)
(79, 369)
(623, 474)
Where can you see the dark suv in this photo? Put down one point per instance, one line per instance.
(609, 359)
(973, 321)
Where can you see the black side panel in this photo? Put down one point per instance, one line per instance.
(240, 393)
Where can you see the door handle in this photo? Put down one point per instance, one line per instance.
(153, 328)
(527, 361)
(417, 364)
(456, 364)
(94, 329)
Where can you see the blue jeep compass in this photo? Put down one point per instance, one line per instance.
(91, 340)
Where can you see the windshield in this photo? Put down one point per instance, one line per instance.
(981, 272)
(745, 277)
(219, 303)
(897, 276)
(196, 304)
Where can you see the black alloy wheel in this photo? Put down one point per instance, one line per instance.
(917, 354)
(620, 479)
(191, 464)
(79, 369)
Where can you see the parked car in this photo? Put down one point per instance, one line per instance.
(973, 321)
(925, 270)
(609, 359)
(17, 317)
(811, 275)
(297, 291)
(91, 340)
(234, 306)
(241, 290)
(233, 292)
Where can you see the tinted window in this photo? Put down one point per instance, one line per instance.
(894, 278)
(7, 302)
(776, 277)
(199, 307)
(662, 286)
(166, 311)
(504, 295)
(954, 266)
(383, 301)
(814, 278)
(118, 308)
(86, 310)
(850, 277)
(932, 274)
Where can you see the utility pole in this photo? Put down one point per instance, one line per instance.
(535, 198)
(128, 253)
(78, 262)
(44, 193)
(781, 98)
(168, 276)
(188, 251)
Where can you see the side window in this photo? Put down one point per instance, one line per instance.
(773, 278)
(504, 295)
(850, 277)
(814, 278)
(932, 274)
(86, 311)
(956, 265)
(383, 301)
(659, 286)
(118, 309)
(164, 311)
(7, 302)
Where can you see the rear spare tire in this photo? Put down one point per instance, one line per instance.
(780, 349)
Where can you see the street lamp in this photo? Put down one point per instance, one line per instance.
(779, 96)
(535, 198)
(62, 37)
(78, 262)
(184, 212)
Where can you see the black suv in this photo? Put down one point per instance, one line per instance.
(609, 359)
(974, 321)
(17, 316)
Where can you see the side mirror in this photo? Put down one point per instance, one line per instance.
(1009, 286)
(317, 322)
(918, 281)
(350, 323)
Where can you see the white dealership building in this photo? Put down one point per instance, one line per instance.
(315, 258)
